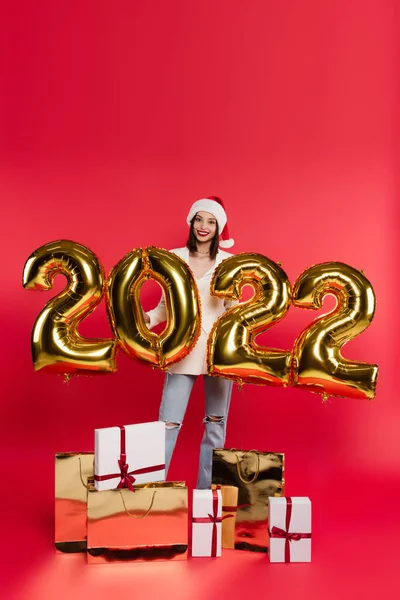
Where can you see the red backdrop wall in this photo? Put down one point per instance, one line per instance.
(115, 118)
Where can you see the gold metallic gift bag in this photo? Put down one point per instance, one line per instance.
(258, 475)
(72, 470)
(149, 524)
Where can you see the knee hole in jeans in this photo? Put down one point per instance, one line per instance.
(214, 419)
(171, 425)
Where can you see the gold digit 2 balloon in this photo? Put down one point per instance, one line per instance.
(317, 361)
(181, 299)
(57, 346)
(232, 350)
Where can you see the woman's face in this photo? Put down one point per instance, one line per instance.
(204, 226)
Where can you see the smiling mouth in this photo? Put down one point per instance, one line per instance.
(202, 233)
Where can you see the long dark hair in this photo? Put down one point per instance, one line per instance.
(192, 242)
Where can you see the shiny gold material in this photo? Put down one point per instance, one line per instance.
(159, 484)
(256, 471)
(71, 474)
(57, 346)
(318, 364)
(229, 495)
(157, 531)
(251, 530)
(138, 516)
(232, 349)
(182, 306)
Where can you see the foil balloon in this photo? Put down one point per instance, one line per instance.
(57, 346)
(318, 364)
(181, 300)
(232, 350)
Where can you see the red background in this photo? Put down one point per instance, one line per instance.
(114, 118)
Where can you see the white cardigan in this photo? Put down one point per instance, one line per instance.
(211, 307)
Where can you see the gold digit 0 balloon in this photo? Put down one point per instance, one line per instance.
(317, 361)
(181, 299)
(232, 350)
(57, 346)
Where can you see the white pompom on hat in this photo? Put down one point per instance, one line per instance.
(213, 205)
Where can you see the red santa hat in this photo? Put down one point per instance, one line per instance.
(213, 205)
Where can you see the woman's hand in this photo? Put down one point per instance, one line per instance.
(146, 317)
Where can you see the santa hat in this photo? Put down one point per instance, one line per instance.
(213, 205)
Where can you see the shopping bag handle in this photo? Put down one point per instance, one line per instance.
(138, 516)
(80, 472)
(257, 469)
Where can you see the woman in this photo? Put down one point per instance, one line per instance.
(206, 219)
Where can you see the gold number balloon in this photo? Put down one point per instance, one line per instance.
(57, 345)
(181, 302)
(232, 350)
(317, 361)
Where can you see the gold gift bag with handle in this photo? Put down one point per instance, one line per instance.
(229, 495)
(72, 470)
(149, 524)
(258, 475)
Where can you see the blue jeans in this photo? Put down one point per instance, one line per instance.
(175, 398)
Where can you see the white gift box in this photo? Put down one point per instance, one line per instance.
(143, 460)
(289, 528)
(206, 523)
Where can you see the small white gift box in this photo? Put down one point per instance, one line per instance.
(128, 455)
(289, 528)
(206, 522)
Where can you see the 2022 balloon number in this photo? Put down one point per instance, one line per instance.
(315, 362)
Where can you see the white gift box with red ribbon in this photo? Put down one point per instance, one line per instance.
(129, 455)
(289, 528)
(206, 519)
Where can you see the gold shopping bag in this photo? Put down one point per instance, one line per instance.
(258, 475)
(149, 524)
(72, 470)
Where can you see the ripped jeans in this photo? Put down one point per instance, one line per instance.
(175, 398)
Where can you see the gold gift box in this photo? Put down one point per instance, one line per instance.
(229, 495)
(257, 475)
(150, 524)
(72, 470)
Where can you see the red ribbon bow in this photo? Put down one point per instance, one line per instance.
(127, 478)
(277, 532)
(214, 519)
